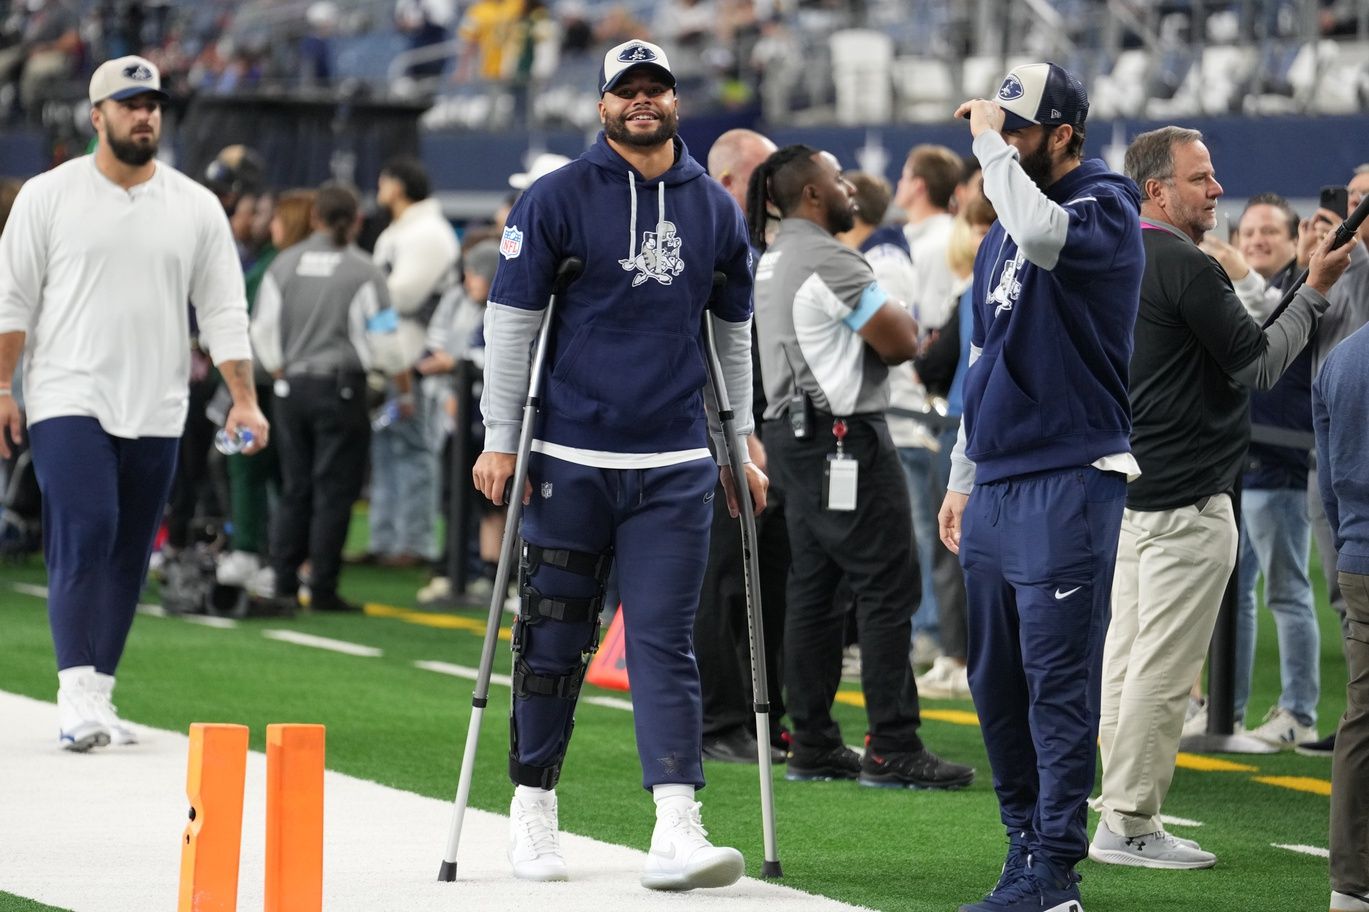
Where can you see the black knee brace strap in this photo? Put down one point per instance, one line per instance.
(544, 777)
(528, 683)
(537, 607)
(581, 563)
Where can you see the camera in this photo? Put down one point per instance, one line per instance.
(1335, 199)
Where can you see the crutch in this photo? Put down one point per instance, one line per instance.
(567, 272)
(760, 688)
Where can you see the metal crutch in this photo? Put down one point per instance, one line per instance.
(567, 272)
(760, 689)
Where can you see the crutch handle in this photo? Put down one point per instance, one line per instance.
(567, 272)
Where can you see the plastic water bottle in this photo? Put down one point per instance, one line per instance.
(386, 415)
(232, 441)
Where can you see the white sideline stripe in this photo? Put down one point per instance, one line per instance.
(156, 611)
(318, 642)
(465, 671)
(99, 832)
(1179, 821)
(461, 671)
(1304, 850)
(30, 589)
(209, 620)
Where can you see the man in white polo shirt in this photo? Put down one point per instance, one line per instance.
(97, 263)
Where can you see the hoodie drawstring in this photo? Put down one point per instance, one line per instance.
(632, 220)
(660, 211)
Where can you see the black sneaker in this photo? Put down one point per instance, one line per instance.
(737, 745)
(821, 764)
(912, 769)
(1326, 747)
(331, 601)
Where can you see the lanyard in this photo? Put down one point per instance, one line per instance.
(839, 432)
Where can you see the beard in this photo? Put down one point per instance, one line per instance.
(132, 151)
(1037, 164)
(841, 219)
(616, 129)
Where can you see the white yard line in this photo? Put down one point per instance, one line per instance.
(30, 589)
(100, 832)
(1179, 821)
(1314, 851)
(461, 671)
(610, 702)
(318, 642)
(209, 620)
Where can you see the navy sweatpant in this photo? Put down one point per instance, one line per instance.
(103, 498)
(657, 522)
(1038, 553)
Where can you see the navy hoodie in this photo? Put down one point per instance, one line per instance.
(625, 372)
(1049, 389)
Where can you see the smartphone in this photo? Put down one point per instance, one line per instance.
(1335, 199)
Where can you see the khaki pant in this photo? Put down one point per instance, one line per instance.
(1350, 768)
(1172, 567)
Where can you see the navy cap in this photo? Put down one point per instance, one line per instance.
(1041, 93)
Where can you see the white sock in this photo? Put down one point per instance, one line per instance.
(529, 793)
(76, 676)
(665, 794)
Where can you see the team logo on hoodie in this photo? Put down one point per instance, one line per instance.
(659, 258)
(1006, 293)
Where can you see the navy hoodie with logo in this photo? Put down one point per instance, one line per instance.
(1049, 388)
(625, 371)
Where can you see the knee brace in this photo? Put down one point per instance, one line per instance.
(537, 608)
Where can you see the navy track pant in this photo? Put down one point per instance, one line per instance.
(657, 523)
(1038, 553)
(103, 498)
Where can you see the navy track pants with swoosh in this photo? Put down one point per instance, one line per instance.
(1038, 553)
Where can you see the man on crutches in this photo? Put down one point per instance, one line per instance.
(620, 469)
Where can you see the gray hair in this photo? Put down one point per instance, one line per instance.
(1151, 155)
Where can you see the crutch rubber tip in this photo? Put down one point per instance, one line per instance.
(447, 873)
(770, 870)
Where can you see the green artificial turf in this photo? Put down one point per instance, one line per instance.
(890, 850)
(11, 903)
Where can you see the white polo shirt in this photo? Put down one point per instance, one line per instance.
(99, 278)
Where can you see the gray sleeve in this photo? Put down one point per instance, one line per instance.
(1038, 225)
(1284, 340)
(962, 469)
(734, 356)
(509, 334)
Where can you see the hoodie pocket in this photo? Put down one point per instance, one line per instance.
(629, 378)
(1008, 419)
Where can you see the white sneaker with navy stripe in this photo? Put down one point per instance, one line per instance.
(681, 857)
(80, 723)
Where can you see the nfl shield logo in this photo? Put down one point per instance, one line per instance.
(546, 490)
(511, 244)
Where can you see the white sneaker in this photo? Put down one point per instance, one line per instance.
(1283, 730)
(681, 856)
(80, 722)
(947, 679)
(438, 589)
(120, 732)
(925, 650)
(1152, 850)
(262, 584)
(236, 568)
(1348, 902)
(534, 843)
(1195, 717)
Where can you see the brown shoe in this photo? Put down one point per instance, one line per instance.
(402, 561)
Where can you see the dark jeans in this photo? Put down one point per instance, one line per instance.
(722, 639)
(872, 548)
(323, 435)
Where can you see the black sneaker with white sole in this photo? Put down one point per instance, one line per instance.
(920, 769)
(1326, 747)
(822, 764)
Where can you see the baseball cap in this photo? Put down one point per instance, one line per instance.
(541, 166)
(125, 77)
(1041, 93)
(628, 56)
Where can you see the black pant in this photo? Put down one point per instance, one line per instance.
(872, 547)
(722, 641)
(324, 433)
(192, 468)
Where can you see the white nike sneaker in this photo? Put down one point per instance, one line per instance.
(120, 732)
(80, 723)
(236, 568)
(1283, 730)
(534, 843)
(681, 856)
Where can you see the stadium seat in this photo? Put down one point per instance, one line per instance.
(862, 69)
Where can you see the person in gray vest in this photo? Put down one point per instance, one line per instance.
(322, 321)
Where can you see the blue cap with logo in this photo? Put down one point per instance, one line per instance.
(1041, 93)
(630, 55)
(125, 77)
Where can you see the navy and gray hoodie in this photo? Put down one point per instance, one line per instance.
(1056, 291)
(625, 370)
